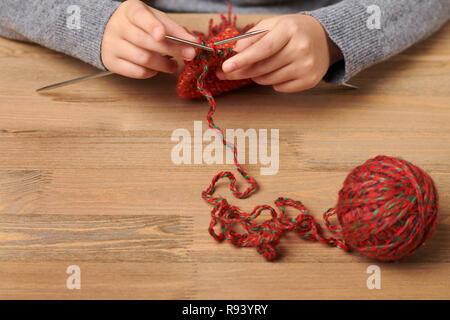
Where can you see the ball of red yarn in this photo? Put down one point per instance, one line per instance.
(387, 208)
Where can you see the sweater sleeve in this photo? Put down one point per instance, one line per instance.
(352, 26)
(73, 27)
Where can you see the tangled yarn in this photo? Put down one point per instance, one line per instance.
(387, 206)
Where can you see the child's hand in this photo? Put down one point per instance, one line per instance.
(293, 56)
(133, 44)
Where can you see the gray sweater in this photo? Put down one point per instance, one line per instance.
(351, 24)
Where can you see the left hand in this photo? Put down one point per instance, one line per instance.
(293, 55)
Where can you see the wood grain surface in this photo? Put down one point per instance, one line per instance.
(86, 178)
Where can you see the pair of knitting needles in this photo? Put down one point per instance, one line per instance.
(194, 44)
(191, 43)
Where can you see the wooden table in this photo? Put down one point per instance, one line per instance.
(86, 178)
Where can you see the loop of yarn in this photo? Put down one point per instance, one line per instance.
(387, 207)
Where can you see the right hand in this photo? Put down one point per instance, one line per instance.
(133, 43)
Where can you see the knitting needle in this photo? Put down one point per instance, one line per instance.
(69, 82)
(349, 85)
(191, 43)
(107, 73)
(217, 43)
(242, 36)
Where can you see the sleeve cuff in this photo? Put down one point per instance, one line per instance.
(85, 43)
(346, 25)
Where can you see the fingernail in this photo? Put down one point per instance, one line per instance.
(188, 53)
(228, 66)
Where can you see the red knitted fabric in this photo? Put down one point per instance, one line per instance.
(187, 80)
(387, 207)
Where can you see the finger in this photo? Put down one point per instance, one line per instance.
(278, 76)
(282, 58)
(247, 42)
(142, 16)
(268, 45)
(294, 86)
(145, 58)
(131, 70)
(141, 39)
(173, 28)
(242, 73)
